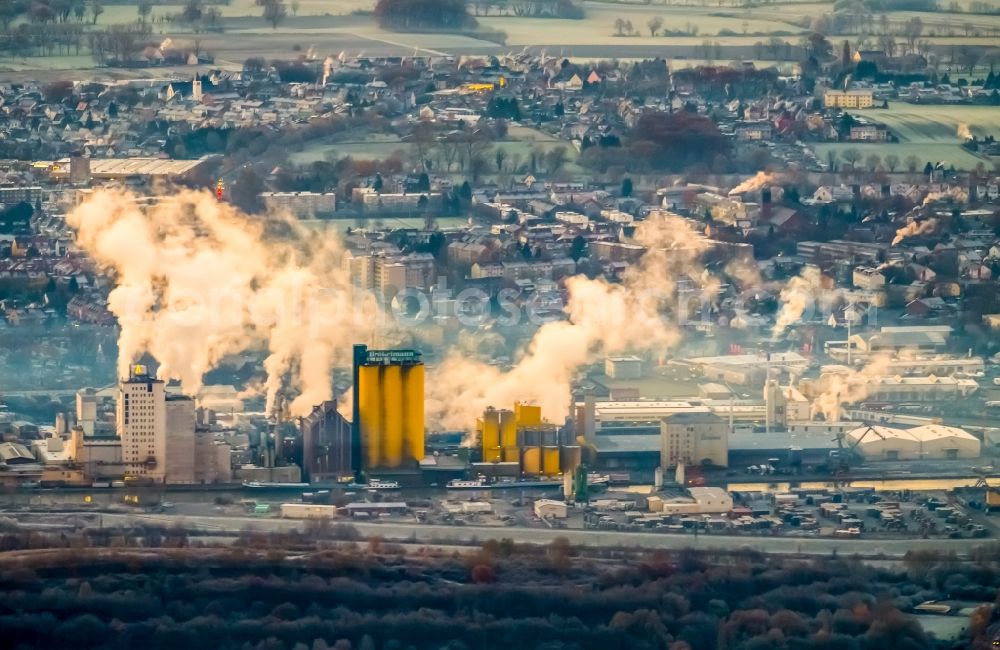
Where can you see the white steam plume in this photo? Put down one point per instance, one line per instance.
(196, 280)
(833, 390)
(601, 319)
(964, 133)
(913, 229)
(800, 294)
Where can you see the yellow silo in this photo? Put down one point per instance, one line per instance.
(531, 461)
(413, 412)
(491, 428)
(511, 454)
(550, 461)
(390, 408)
(392, 426)
(527, 415)
(492, 455)
(371, 413)
(508, 429)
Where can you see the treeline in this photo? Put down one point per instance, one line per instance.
(266, 593)
(528, 8)
(423, 14)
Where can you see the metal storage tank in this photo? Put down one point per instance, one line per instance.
(531, 461)
(492, 455)
(392, 402)
(571, 457)
(371, 413)
(551, 461)
(508, 429)
(413, 412)
(550, 436)
(511, 454)
(531, 438)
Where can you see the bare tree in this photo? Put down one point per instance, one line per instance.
(654, 24)
(912, 30)
(274, 11)
(851, 156)
(555, 159)
(499, 156)
(891, 162)
(96, 9)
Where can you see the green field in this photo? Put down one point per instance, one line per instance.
(376, 148)
(519, 143)
(927, 132)
(915, 123)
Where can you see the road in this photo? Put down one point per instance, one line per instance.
(437, 534)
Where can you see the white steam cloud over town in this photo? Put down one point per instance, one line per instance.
(196, 280)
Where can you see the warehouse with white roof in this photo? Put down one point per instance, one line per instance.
(928, 442)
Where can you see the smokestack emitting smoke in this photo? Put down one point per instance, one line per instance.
(915, 228)
(602, 319)
(196, 281)
(964, 133)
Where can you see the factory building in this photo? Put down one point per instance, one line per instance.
(326, 444)
(388, 422)
(141, 424)
(179, 440)
(783, 405)
(157, 438)
(86, 410)
(748, 368)
(521, 437)
(889, 388)
(212, 459)
(623, 367)
(697, 437)
(928, 442)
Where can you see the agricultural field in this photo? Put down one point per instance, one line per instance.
(915, 123)
(331, 26)
(377, 147)
(927, 132)
(518, 145)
